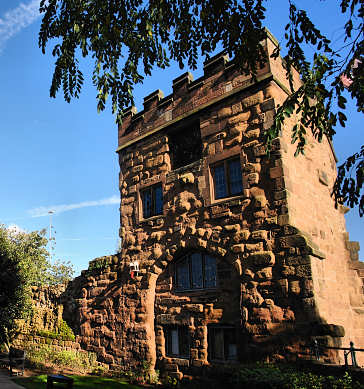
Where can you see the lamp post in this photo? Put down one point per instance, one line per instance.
(50, 234)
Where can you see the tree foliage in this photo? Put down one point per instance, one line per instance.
(127, 38)
(24, 262)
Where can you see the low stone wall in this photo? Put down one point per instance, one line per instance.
(35, 341)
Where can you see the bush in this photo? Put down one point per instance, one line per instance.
(141, 375)
(97, 266)
(81, 361)
(285, 377)
(62, 332)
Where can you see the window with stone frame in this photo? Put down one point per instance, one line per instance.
(185, 145)
(152, 201)
(222, 344)
(195, 271)
(177, 341)
(227, 178)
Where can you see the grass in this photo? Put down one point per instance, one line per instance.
(85, 382)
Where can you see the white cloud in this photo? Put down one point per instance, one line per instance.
(14, 20)
(44, 211)
(15, 229)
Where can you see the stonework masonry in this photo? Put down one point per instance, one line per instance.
(227, 254)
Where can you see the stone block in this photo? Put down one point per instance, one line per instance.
(253, 100)
(304, 271)
(260, 201)
(241, 118)
(250, 135)
(288, 271)
(238, 248)
(241, 236)
(224, 112)
(259, 235)
(267, 105)
(264, 274)
(277, 314)
(262, 258)
(251, 247)
(294, 287)
(194, 307)
(260, 315)
(282, 285)
(137, 169)
(232, 227)
(252, 297)
(236, 108)
(221, 251)
(253, 179)
(237, 129)
(259, 150)
(171, 367)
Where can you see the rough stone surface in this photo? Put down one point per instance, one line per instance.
(283, 259)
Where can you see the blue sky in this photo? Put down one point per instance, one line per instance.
(62, 156)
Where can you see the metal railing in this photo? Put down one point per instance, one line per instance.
(348, 351)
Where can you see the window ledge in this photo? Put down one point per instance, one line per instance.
(152, 218)
(177, 358)
(193, 167)
(224, 361)
(197, 291)
(227, 200)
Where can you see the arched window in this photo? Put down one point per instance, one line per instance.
(195, 271)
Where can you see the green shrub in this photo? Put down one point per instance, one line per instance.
(97, 266)
(285, 377)
(62, 332)
(170, 382)
(99, 371)
(141, 375)
(74, 359)
(65, 331)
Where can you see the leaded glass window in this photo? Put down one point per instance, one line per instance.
(210, 271)
(195, 271)
(152, 201)
(183, 275)
(222, 343)
(177, 341)
(227, 178)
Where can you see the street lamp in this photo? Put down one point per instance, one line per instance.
(50, 234)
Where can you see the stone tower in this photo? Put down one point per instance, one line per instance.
(229, 254)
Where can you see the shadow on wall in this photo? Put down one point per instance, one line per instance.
(105, 309)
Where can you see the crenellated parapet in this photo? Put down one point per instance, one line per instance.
(221, 79)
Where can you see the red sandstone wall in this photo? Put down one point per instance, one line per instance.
(309, 180)
(256, 232)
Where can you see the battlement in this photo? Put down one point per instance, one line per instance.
(222, 79)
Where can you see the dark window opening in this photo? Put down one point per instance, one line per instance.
(195, 271)
(222, 345)
(227, 178)
(185, 145)
(177, 341)
(152, 201)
